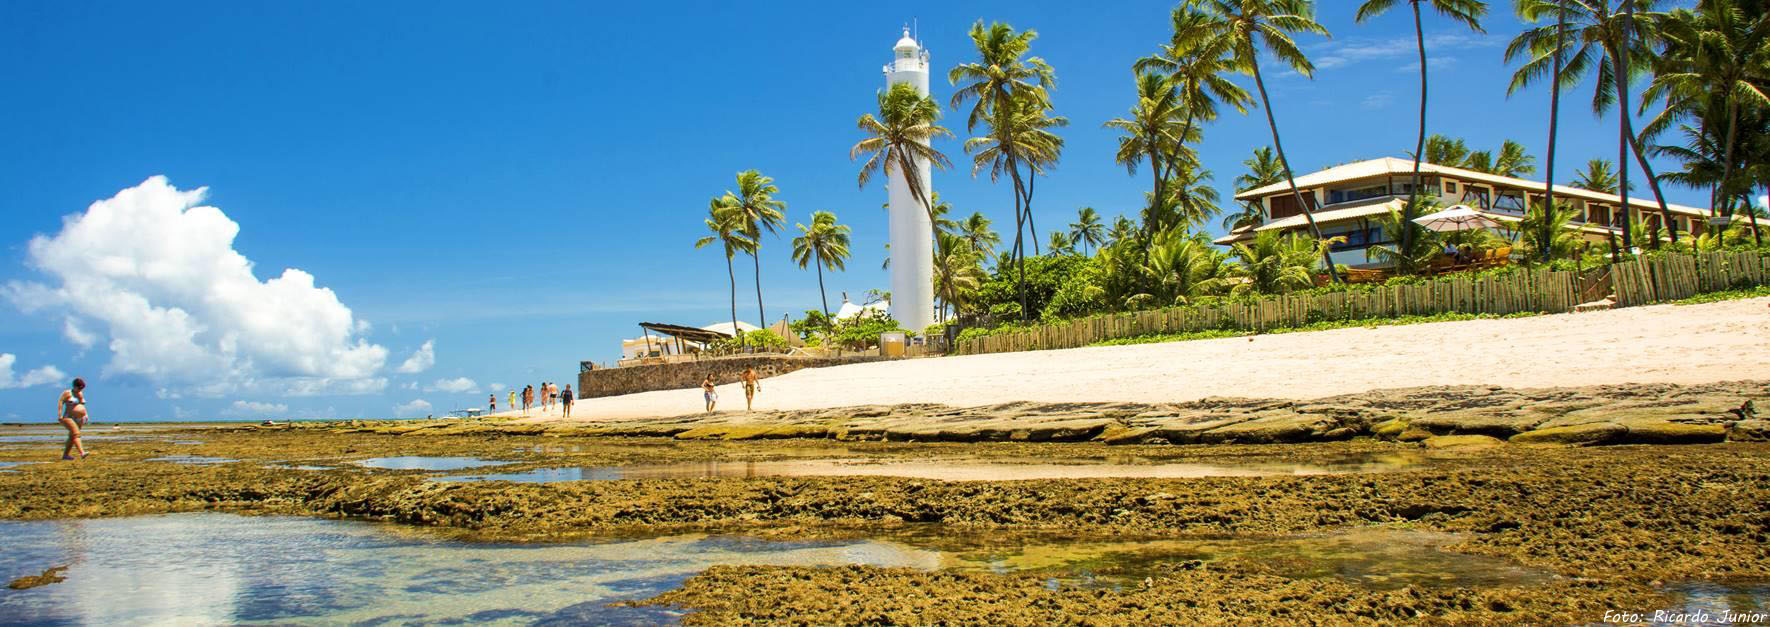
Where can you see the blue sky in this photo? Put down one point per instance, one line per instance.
(519, 184)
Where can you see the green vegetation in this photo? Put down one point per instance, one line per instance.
(1318, 326)
(1715, 297)
(824, 243)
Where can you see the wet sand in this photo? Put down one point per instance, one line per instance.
(1681, 344)
(1613, 523)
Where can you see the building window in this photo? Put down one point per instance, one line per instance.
(1450, 187)
(1476, 197)
(1359, 238)
(1510, 202)
(1598, 214)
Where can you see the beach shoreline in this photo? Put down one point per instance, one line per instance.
(1672, 344)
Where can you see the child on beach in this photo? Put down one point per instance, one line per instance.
(708, 393)
(513, 399)
(71, 413)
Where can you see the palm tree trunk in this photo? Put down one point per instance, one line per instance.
(1554, 108)
(1155, 172)
(1619, 70)
(1278, 146)
(732, 275)
(1019, 231)
(1665, 213)
(761, 318)
(1411, 210)
(1653, 184)
(821, 294)
(1757, 236)
(1032, 177)
(1726, 204)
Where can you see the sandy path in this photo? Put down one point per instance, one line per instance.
(1657, 344)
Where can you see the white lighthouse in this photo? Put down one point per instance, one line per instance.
(912, 236)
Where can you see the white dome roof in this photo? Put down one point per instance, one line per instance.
(906, 43)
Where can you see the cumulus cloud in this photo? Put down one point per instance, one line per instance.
(79, 336)
(421, 360)
(39, 376)
(457, 385)
(415, 408)
(496, 387)
(253, 408)
(156, 273)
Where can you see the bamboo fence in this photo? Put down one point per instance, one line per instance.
(1638, 282)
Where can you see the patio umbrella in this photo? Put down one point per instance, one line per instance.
(1456, 218)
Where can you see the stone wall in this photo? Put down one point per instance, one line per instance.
(688, 375)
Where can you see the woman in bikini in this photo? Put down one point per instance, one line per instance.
(71, 413)
(708, 393)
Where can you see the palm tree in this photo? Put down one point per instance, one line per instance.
(1263, 170)
(1197, 62)
(958, 271)
(1061, 244)
(1512, 161)
(1123, 229)
(1181, 266)
(898, 137)
(727, 226)
(1599, 176)
(1010, 94)
(1448, 152)
(757, 211)
(824, 242)
(1250, 26)
(1412, 246)
(1087, 229)
(1275, 264)
(1548, 52)
(1544, 233)
(1715, 52)
(1613, 40)
(977, 233)
(1153, 130)
(1468, 12)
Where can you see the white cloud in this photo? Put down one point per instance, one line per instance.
(252, 408)
(496, 387)
(39, 376)
(1378, 100)
(422, 360)
(412, 409)
(80, 337)
(1343, 52)
(183, 309)
(457, 385)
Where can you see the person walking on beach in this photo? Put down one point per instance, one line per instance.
(494, 405)
(512, 399)
(71, 413)
(708, 393)
(528, 398)
(751, 384)
(565, 400)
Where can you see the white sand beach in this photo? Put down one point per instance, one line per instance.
(1683, 344)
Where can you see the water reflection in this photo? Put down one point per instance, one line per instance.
(421, 462)
(222, 568)
(952, 469)
(197, 460)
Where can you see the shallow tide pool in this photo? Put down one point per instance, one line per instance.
(1009, 469)
(210, 568)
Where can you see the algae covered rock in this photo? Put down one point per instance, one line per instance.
(1461, 442)
(49, 576)
(1414, 435)
(1389, 429)
(1750, 431)
(1674, 433)
(1589, 433)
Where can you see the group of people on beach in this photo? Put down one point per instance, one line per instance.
(751, 382)
(549, 395)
